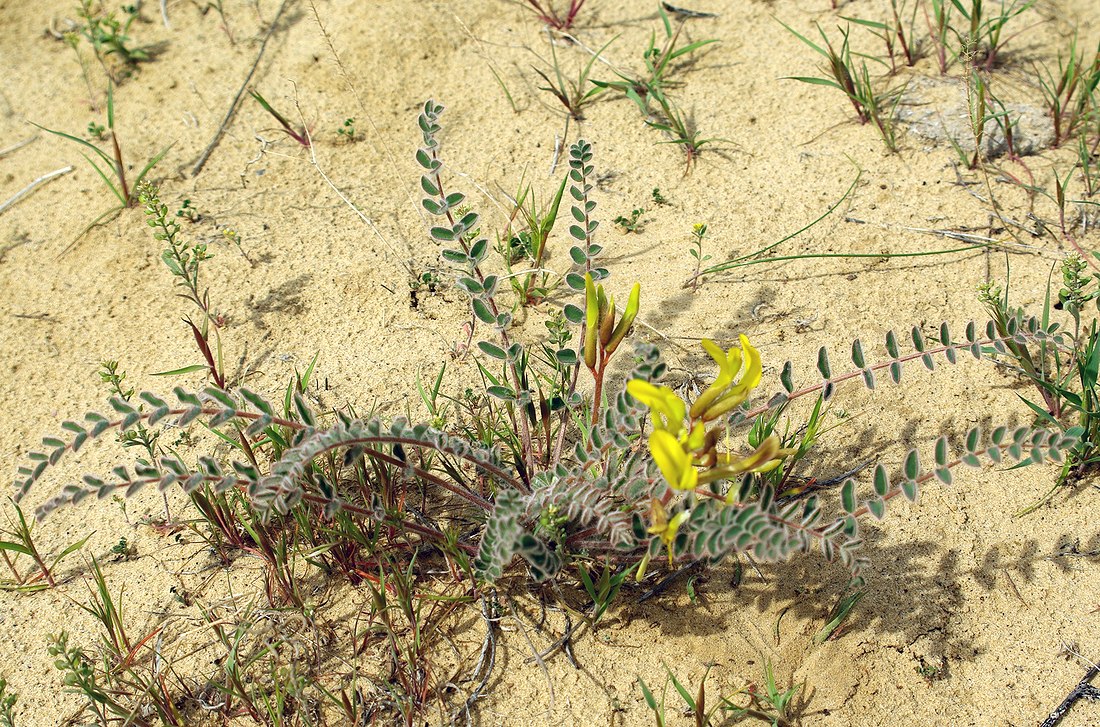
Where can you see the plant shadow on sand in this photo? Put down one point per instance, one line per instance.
(912, 589)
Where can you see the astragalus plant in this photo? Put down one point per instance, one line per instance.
(552, 479)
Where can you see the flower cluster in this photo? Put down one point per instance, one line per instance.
(600, 326)
(684, 442)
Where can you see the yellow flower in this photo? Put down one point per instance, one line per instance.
(697, 438)
(675, 464)
(767, 457)
(665, 527)
(724, 395)
(668, 409)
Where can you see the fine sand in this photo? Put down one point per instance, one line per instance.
(972, 616)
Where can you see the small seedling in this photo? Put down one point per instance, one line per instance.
(298, 134)
(123, 549)
(932, 672)
(658, 198)
(573, 95)
(633, 223)
(121, 503)
(840, 613)
(347, 131)
(188, 212)
(698, 234)
(430, 396)
(109, 38)
(18, 540)
(96, 132)
(428, 281)
(602, 590)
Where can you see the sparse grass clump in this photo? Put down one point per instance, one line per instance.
(1070, 94)
(526, 242)
(844, 74)
(574, 95)
(649, 88)
(557, 14)
(111, 167)
(659, 60)
(297, 133)
(765, 703)
(898, 33)
(984, 38)
(19, 541)
(122, 680)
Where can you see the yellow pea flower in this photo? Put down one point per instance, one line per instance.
(665, 527)
(729, 364)
(675, 464)
(723, 395)
(697, 438)
(668, 409)
(767, 457)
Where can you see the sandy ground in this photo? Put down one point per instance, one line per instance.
(970, 613)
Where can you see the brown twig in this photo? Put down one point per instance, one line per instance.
(240, 93)
(1083, 690)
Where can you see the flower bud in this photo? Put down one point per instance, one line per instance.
(591, 321)
(626, 321)
(607, 322)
